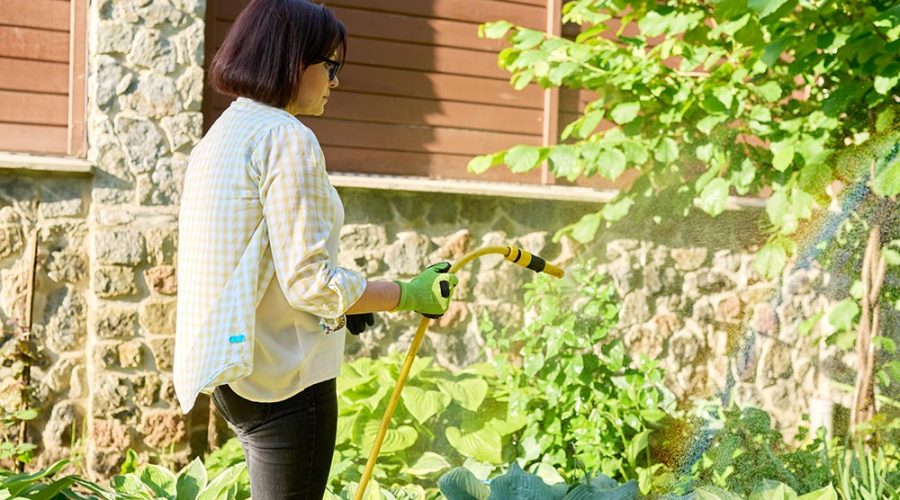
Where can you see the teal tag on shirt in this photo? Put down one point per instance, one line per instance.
(236, 339)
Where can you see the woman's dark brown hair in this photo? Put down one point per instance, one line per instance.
(268, 46)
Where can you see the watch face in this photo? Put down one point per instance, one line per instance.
(329, 326)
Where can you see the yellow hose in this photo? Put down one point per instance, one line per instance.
(512, 254)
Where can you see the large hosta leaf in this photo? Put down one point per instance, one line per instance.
(395, 440)
(461, 484)
(773, 490)
(485, 444)
(469, 393)
(428, 463)
(422, 404)
(517, 484)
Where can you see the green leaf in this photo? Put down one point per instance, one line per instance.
(714, 196)
(770, 260)
(844, 314)
(635, 152)
(461, 484)
(707, 124)
(713, 493)
(625, 112)
(495, 30)
(484, 444)
(636, 446)
(527, 38)
(533, 364)
(395, 439)
(564, 160)
(783, 156)
(191, 480)
(522, 158)
(482, 163)
(883, 84)
(887, 178)
(586, 228)
(765, 7)
(826, 493)
(428, 463)
(617, 210)
(222, 482)
(128, 484)
(773, 490)
(160, 480)
(469, 392)
(891, 257)
(666, 151)
(589, 123)
(422, 404)
(770, 91)
(611, 163)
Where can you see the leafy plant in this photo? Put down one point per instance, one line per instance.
(705, 99)
(152, 481)
(10, 447)
(42, 485)
(516, 484)
(586, 404)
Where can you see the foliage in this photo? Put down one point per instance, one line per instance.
(589, 406)
(706, 99)
(516, 484)
(10, 447)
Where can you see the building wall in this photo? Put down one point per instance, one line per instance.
(104, 309)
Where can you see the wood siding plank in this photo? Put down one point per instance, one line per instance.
(475, 11)
(18, 74)
(33, 138)
(414, 139)
(46, 14)
(436, 166)
(422, 30)
(26, 107)
(387, 81)
(406, 111)
(410, 56)
(78, 79)
(28, 43)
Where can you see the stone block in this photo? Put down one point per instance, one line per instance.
(57, 432)
(131, 354)
(11, 238)
(111, 394)
(189, 45)
(163, 352)
(162, 280)
(157, 316)
(146, 389)
(144, 144)
(58, 376)
(115, 323)
(114, 37)
(689, 259)
(190, 88)
(162, 186)
(164, 428)
(618, 249)
(406, 256)
(114, 281)
(152, 50)
(183, 129)
(729, 308)
(61, 198)
(68, 265)
(66, 329)
(110, 434)
(162, 245)
(625, 278)
(452, 247)
(105, 463)
(634, 309)
(119, 246)
(152, 96)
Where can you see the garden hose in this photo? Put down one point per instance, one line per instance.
(512, 254)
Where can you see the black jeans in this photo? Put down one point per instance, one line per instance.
(288, 444)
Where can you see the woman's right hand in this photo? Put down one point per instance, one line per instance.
(428, 293)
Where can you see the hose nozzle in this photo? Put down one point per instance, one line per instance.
(528, 260)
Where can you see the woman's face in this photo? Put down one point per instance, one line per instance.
(313, 92)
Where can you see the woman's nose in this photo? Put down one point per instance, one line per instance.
(334, 83)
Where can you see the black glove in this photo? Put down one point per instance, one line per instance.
(356, 323)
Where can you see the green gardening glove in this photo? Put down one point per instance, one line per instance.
(428, 293)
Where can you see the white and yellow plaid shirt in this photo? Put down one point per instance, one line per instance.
(257, 202)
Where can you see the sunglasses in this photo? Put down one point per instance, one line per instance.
(333, 68)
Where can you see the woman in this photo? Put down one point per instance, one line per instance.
(263, 308)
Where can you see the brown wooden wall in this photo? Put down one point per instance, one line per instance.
(421, 94)
(36, 86)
